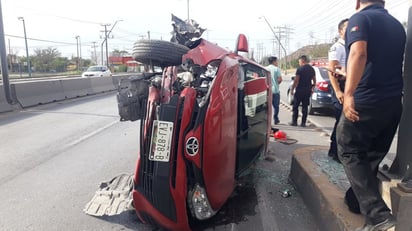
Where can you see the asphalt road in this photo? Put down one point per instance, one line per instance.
(53, 157)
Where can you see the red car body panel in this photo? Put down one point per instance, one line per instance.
(220, 137)
(205, 52)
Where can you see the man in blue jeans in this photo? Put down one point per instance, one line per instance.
(276, 76)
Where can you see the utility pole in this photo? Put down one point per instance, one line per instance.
(94, 54)
(106, 36)
(283, 34)
(10, 58)
(104, 41)
(274, 34)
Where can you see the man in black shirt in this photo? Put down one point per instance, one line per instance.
(372, 104)
(304, 82)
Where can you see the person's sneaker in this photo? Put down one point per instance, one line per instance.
(303, 124)
(293, 124)
(382, 226)
(277, 121)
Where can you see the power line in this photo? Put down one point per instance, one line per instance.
(42, 13)
(40, 40)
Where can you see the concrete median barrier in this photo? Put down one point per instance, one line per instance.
(40, 92)
(46, 91)
(74, 88)
(4, 106)
(116, 80)
(102, 84)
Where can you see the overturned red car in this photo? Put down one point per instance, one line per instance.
(205, 119)
(204, 123)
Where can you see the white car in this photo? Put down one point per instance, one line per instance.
(97, 71)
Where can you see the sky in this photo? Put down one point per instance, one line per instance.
(54, 23)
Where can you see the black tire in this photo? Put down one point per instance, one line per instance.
(158, 52)
(290, 98)
(311, 110)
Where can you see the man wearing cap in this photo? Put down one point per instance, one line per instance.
(372, 104)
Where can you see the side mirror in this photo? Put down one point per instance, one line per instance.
(242, 44)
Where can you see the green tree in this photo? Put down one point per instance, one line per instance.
(119, 53)
(44, 59)
(59, 64)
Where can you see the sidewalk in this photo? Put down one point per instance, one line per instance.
(319, 179)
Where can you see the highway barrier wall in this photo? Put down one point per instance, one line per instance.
(4, 106)
(39, 92)
(73, 88)
(32, 93)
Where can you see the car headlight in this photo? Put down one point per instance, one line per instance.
(199, 203)
(208, 77)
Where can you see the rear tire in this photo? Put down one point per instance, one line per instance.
(311, 110)
(159, 53)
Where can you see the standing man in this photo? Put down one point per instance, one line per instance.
(337, 60)
(276, 76)
(304, 83)
(372, 104)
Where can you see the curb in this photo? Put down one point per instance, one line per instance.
(323, 198)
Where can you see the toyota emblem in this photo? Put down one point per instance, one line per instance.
(192, 146)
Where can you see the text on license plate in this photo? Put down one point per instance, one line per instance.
(160, 145)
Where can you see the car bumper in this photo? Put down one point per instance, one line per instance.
(322, 100)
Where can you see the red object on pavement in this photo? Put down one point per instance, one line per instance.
(281, 135)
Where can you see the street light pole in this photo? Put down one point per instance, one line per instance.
(277, 38)
(78, 62)
(80, 50)
(188, 18)
(27, 48)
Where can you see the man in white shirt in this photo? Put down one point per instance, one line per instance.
(337, 63)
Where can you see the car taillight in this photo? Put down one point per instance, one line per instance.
(322, 86)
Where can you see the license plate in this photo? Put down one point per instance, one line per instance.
(160, 145)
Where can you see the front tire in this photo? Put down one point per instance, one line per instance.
(290, 98)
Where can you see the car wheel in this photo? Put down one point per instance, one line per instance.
(311, 110)
(159, 53)
(290, 98)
